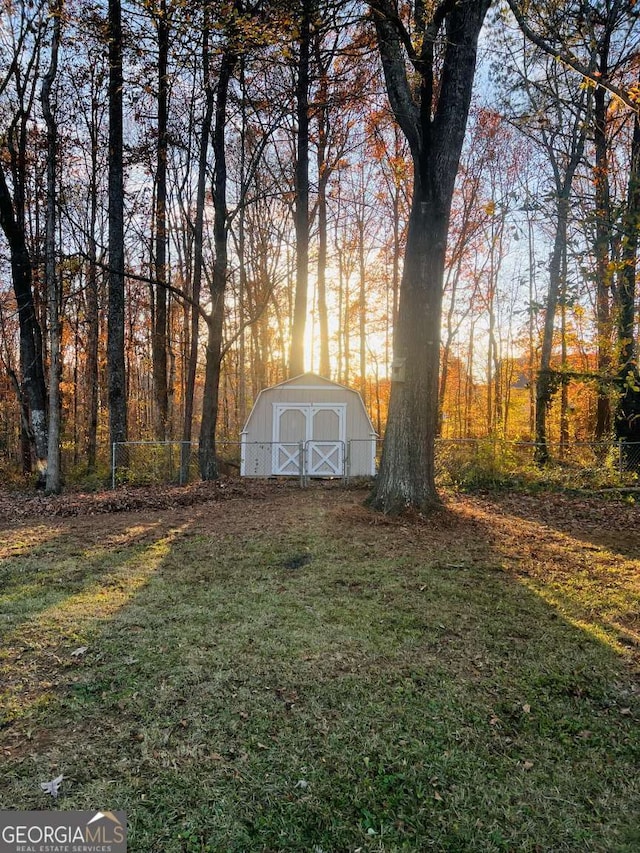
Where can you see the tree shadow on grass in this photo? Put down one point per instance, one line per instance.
(56, 598)
(403, 689)
(55, 554)
(591, 587)
(606, 524)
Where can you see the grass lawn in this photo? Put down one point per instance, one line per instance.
(288, 671)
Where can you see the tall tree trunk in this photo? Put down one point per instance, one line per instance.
(392, 314)
(31, 318)
(31, 363)
(198, 232)
(602, 248)
(626, 289)
(397, 235)
(296, 357)
(323, 319)
(545, 385)
(242, 255)
(159, 338)
(116, 313)
(51, 275)
(435, 136)
(628, 408)
(340, 371)
(323, 179)
(407, 471)
(215, 320)
(530, 330)
(468, 385)
(91, 301)
(491, 421)
(496, 406)
(346, 334)
(446, 350)
(564, 391)
(362, 308)
(26, 438)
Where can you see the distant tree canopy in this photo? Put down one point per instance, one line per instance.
(427, 202)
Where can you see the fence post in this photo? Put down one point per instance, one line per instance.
(301, 465)
(182, 464)
(113, 465)
(620, 460)
(186, 449)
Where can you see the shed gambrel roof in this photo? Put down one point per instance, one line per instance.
(311, 379)
(308, 381)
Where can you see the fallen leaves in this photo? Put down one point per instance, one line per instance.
(79, 652)
(52, 787)
(582, 516)
(16, 505)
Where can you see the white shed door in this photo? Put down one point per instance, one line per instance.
(319, 428)
(325, 448)
(289, 431)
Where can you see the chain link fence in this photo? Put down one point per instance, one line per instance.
(147, 463)
(457, 461)
(176, 462)
(629, 456)
(580, 464)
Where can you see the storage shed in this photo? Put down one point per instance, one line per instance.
(308, 426)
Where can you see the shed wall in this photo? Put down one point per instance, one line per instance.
(260, 425)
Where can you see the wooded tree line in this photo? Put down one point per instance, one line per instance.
(436, 203)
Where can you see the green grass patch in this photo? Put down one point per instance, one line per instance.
(297, 674)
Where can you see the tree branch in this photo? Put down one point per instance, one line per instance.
(570, 60)
(390, 45)
(386, 10)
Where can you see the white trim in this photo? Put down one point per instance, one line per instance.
(339, 408)
(325, 459)
(314, 388)
(278, 447)
(309, 411)
(322, 382)
(284, 455)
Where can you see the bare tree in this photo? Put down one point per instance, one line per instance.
(116, 315)
(51, 272)
(21, 76)
(215, 318)
(296, 358)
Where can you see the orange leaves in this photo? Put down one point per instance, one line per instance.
(489, 123)
(634, 93)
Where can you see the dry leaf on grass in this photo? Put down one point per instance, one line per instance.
(53, 786)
